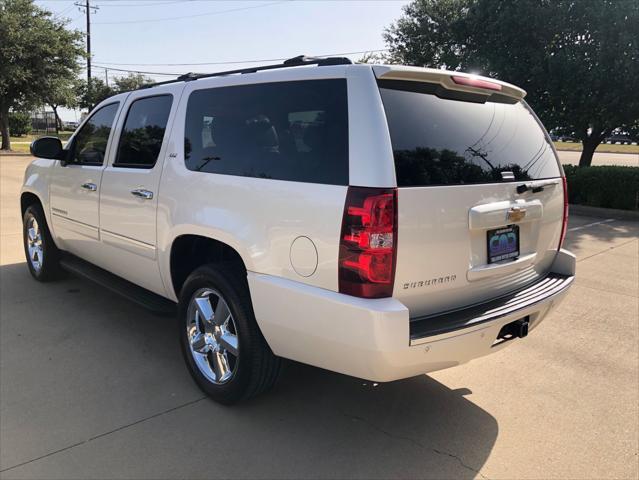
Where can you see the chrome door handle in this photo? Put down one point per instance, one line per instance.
(92, 187)
(142, 193)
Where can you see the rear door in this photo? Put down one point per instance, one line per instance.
(480, 196)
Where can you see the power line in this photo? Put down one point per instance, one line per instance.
(114, 4)
(219, 12)
(231, 62)
(173, 74)
(75, 18)
(139, 71)
(63, 11)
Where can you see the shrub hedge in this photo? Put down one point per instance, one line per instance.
(604, 186)
(19, 124)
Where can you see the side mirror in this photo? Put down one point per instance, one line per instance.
(47, 147)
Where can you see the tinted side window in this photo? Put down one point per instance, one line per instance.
(439, 141)
(295, 131)
(89, 145)
(143, 132)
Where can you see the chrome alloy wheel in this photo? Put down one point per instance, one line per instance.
(212, 336)
(34, 244)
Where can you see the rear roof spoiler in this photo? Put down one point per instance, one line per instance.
(462, 82)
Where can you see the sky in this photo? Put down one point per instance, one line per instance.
(145, 35)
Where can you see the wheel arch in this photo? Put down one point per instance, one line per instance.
(28, 198)
(190, 251)
(35, 188)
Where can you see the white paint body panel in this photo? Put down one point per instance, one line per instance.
(37, 182)
(370, 338)
(74, 209)
(441, 233)
(260, 218)
(128, 224)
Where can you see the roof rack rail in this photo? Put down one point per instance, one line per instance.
(299, 61)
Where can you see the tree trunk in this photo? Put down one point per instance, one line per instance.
(589, 145)
(4, 128)
(58, 122)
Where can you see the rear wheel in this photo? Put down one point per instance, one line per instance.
(42, 254)
(222, 345)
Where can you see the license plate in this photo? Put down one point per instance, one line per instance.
(503, 243)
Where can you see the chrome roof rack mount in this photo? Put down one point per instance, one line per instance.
(299, 61)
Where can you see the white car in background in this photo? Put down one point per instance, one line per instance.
(378, 221)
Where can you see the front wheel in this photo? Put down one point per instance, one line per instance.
(222, 345)
(42, 254)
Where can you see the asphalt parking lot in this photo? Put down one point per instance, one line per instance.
(91, 386)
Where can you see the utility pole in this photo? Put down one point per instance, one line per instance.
(87, 8)
(106, 76)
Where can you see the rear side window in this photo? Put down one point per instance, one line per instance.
(89, 144)
(439, 141)
(295, 131)
(143, 132)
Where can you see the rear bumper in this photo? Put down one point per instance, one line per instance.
(423, 328)
(376, 339)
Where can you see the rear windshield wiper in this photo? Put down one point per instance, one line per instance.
(535, 187)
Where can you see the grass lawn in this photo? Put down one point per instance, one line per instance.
(31, 137)
(21, 144)
(602, 148)
(16, 148)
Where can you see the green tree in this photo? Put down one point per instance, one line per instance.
(89, 98)
(578, 60)
(431, 33)
(35, 50)
(60, 93)
(373, 57)
(131, 82)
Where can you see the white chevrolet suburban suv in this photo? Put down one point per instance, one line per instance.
(378, 221)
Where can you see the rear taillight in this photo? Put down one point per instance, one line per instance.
(564, 225)
(368, 242)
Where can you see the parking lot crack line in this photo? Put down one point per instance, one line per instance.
(605, 290)
(607, 250)
(96, 437)
(416, 443)
(452, 455)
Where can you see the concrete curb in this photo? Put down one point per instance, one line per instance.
(599, 212)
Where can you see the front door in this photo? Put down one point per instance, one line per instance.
(75, 188)
(128, 200)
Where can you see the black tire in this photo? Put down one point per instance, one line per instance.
(256, 368)
(49, 266)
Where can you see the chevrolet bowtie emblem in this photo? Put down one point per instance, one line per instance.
(515, 214)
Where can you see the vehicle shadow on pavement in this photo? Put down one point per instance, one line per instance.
(587, 235)
(94, 387)
(413, 428)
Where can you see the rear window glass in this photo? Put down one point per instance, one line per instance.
(439, 141)
(295, 131)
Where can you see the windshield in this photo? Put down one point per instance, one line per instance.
(439, 141)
